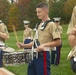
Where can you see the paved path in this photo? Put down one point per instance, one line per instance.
(4, 71)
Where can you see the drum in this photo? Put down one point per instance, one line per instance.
(16, 57)
(19, 57)
(72, 58)
(12, 58)
(27, 55)
(9, 49)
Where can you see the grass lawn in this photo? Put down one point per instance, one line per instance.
(62, 69)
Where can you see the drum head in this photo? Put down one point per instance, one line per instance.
(9, 49)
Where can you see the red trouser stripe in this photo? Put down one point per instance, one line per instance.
(45, 71)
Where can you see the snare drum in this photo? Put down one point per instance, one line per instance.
(15, 57)
(9, 49)
(19, 57)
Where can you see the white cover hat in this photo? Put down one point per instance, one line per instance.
(26, 22)
(57, 19)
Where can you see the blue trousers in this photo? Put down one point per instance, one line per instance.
(1, 57)
(40, 65)
(26, 41)
(55, 55)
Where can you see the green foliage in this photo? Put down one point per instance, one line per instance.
(13, 17)
(56, 8)
(25, 9)
(63, 68)
(31, 12)
(22, 6)
(68, 8)
(4, 8)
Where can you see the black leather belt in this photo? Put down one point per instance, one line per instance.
(40, 54)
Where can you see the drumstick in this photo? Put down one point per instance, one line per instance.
(14, 30)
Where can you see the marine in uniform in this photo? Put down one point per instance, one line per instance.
(28, 33)
(72, 38)
(49, 37)
(3, 36)
(55, 54)
(72, 29)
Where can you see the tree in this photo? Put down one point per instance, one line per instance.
(13, 17)
(31, 12)
(67, 10)
(22, 5)
(56, 8)
(4, 8)
(17, 14)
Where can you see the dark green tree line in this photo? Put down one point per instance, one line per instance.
(4, 8)
(14, 14)
(67, 10)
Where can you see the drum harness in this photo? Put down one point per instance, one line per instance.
(35, 40)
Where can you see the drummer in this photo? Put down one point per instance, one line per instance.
(27, 34)
(4, 35)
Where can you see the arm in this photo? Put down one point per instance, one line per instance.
(72, 37)
(21, 45)
(72, 40)
(4, 32)
(54, 43)
(4, 35)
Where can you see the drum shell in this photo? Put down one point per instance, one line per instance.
(17, 57)
(73, 64)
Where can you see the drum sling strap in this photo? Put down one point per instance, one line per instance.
(35, 40)
(44, 25)
(36, 43)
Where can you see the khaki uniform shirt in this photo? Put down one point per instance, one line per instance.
(48, 34)
(3, 29)
(60, 29)
(27, 33)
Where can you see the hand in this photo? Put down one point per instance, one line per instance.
(41, 48)
(20, 45)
